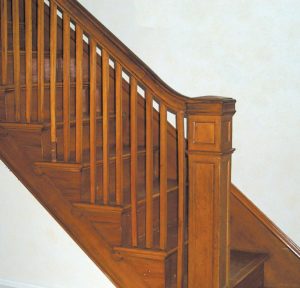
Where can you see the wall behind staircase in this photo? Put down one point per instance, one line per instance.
(245, 49)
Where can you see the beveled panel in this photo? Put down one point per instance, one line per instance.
(203, 133)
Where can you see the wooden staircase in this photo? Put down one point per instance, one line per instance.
(87, 127)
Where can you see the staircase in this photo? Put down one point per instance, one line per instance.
(138, 175)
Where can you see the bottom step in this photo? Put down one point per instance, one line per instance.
(159, 268)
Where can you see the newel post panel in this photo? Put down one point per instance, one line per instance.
(209, 168)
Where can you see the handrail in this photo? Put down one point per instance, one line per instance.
(133, 64)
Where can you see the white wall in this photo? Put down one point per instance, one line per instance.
(249, 50)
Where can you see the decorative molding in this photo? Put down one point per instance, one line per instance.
(277, 232)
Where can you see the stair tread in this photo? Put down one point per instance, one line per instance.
(242, 264)
(86, 155)
(172, 186)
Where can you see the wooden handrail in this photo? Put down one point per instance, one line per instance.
(130, 62)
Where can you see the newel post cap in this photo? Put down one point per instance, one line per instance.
(210, 105)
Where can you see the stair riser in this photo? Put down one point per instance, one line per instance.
(141, 217)
(85, 144)
(31, 140)
(254, 279)
(74, 184)
(10, 104)
(107, 223)
(59, 68)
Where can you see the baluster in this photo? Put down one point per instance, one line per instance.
(79, 82)
(4, 40)
(119, 136)
(181, 197)
(105, 121)
(133, 160)
(93, 83)
(53, 47)
(16, 45)
(41, 62)
(149, 170)
(28, 49)
(66, 86)
(163, 177)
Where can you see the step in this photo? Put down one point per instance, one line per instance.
(103, 216)
(73, 179)
(247, 269)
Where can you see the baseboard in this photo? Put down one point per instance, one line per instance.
(14, 284)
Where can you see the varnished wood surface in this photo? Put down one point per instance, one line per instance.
(80, 230)
(251, 230)
(120, 143)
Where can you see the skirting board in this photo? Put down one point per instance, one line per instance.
(13, 284)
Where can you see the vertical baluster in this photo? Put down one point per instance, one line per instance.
(28, 49)
(79, 82)
(66, 86)
(105, 121)
(133, 160)
(41, 63)
(119, 136)
(149, 170)
(16, 44)
(53, 47)
(163, 177)
(93, 83)
(4, 41)
(181, 197)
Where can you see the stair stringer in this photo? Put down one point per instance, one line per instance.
(118, 271)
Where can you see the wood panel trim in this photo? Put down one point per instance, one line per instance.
(273, 228)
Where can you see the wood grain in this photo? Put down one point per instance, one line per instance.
(105, 128)
(119, 135)
(133, 163)
(4, 41)
(16, 45)
(53, 48)
(93, 83)
(163, 161)
(79, 94)
(28, 48)
(41, 59)
(149, 170)
(66, 85)
(181, 198)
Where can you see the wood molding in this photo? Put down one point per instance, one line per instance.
(275, 230)
(254, 232)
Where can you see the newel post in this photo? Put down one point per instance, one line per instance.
(209, 168)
